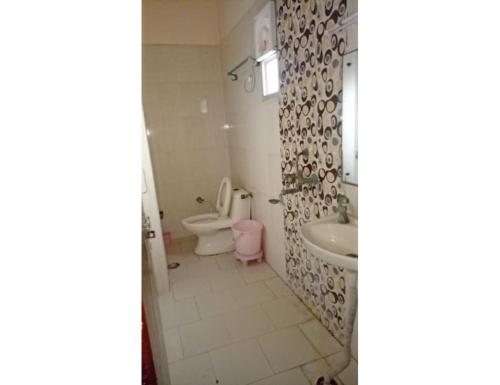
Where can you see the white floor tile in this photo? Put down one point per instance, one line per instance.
(287, 311)
(290, 377)
(190, 288)
(349, 376)
(193, 371)
(175, 247)
(182, 258)
(253, 294)
(322, 340)
(248, 323)
(227, 261)
(257, 272)
(215, 288)
(212, 258)
(205, 268)
(278, 287)
(202, 336)
(226, 279)
(173, 345)
(214, 304)
(240, 364)
(188, 244)
(178, 274)
(316, 369)
(175, 313)
(287, 348)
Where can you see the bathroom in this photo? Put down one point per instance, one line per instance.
(180, 201)
(214, 111)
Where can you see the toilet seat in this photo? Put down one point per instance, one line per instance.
(224, 197)
(206, 223)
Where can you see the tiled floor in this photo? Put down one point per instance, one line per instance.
(240, 325)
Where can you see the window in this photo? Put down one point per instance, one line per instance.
(270, 76)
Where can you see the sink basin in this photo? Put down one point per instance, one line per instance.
(332, 242)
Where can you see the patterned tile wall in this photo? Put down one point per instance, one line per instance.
(310, 62)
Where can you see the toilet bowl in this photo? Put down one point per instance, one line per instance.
(214, 229)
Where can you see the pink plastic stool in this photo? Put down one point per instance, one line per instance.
(247, 258)
(248, 238)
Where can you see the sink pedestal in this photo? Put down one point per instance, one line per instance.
(351, 305)
(337, 243)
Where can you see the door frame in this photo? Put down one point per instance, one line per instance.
(157, 258)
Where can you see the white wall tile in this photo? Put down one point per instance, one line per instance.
(211, 69)
(254, 137)
(187, 64)
(189, 99)
(189, 149)
(352, 193)
(274, 174)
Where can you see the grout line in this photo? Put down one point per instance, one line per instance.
(213, 366)
(317, 374)
(239, 271)
(309, 340)
(225, 344)
(304, 373)
(180, 340)
(198, 311)
(182, 346)
(265, 356)
(196, 356)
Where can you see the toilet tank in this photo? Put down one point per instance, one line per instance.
(240, 207)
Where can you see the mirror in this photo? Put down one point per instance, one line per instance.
(350, 118)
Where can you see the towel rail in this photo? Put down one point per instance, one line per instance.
(234, 75)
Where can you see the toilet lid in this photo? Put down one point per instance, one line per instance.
(224, 197)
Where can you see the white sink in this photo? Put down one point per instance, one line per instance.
(332, 242)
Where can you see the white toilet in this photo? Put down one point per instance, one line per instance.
(214, 229)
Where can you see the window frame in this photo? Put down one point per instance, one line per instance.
(264, 74)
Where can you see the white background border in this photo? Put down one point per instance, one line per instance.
(428, 196)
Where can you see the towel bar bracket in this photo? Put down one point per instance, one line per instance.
(234, 75)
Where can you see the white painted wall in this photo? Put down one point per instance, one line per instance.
(230, 12)
(182, 22)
